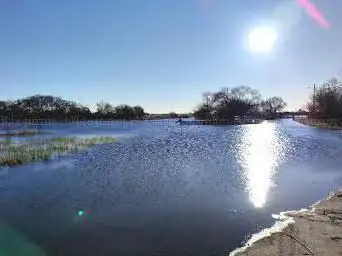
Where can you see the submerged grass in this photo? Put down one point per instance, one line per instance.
(63, 140)
(18, 154)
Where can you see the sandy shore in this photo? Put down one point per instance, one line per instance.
(315, 231)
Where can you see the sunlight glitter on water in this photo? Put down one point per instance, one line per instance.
(260, 153)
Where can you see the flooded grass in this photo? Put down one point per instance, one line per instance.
(45, 150)
(63, 139)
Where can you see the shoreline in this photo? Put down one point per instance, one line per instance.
(314, 231)
(319, 123)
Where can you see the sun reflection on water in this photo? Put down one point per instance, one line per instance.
(260, 152)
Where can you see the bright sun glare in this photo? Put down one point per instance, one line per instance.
(260, 154)
(262, 39)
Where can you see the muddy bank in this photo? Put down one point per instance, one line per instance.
(315, 231)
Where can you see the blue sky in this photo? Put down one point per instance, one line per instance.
(162, 54)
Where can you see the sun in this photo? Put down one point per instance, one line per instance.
(262, 39)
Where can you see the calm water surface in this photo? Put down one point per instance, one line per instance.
(165, 189)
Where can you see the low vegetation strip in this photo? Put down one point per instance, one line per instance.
(38, 150)
(333, 124)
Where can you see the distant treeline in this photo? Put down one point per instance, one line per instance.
(56, 108)
(326, 100)
(238, 101)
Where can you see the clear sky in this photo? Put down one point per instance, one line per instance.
(162, 54)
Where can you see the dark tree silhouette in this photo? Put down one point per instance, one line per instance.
(273, 105)
(105, 110)
(124, 112)
(228, 103)
(139, 112)
(327, 101)
(55, 108)
(203, 112)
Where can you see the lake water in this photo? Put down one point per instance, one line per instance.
(166, 189)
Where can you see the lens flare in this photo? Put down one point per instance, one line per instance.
(314, 13)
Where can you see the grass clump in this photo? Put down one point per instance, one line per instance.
(63, 140)
(18, 154)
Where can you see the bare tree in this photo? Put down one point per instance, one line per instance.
(228, 102)
(273, 105)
